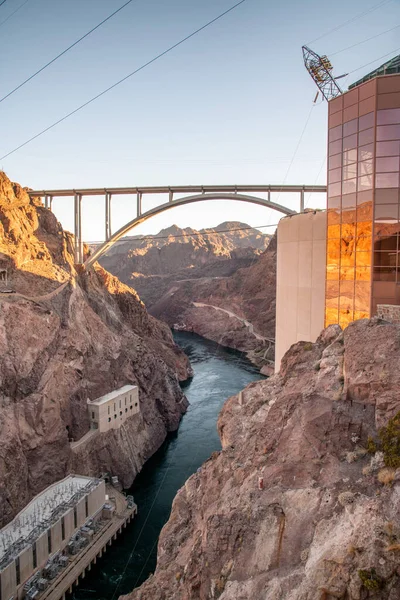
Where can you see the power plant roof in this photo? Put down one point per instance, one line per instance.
(111, 395)
(42, 511)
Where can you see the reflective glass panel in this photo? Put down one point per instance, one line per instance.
(363, 259)
(366, 121)
(363, 274)
(386, 196)
(388, 132)
(366, 137)
(335, 133)
(365, 167)
(350, 142)
(349, 156)
(386, 241)
(365, 183)
(387, 180)
(388, 148)
(349, 186)
(334, 175)
(333, 202)
(334, 189)
(366, 152)
(350, 127)
(349, 201)
(387, 164)
(384, 274)
(350, 171)
(386, 212)
(333, 232)
(385, 259)
(335, 161)
(335, 147)
(388, 117)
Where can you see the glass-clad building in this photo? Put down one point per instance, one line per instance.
(363, 246)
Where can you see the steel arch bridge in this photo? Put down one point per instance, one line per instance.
(242, 193)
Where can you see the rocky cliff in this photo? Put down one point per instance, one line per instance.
(303, 501)
(65, 336)
(236, 311)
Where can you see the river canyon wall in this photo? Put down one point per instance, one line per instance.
(67, 335)
(303, 501)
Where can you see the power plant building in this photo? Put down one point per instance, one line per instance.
(44, 528)
(112, 410)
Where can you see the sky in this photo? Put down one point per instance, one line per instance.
(232, 105)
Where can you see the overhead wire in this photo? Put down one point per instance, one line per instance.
(364, 41)
(372, 61)
(13, 13)
(1, 3)
(53, 60)
(358, 16)
(117, 83)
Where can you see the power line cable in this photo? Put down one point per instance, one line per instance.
(364, 41)
(1, 3)
(366, 12)
(13, 13)
(372, 61)
(53, 60)
(148, 63)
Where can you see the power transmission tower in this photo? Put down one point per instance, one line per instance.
(320, 69)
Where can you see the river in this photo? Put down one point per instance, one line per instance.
(218, 374)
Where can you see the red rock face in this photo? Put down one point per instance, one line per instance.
(229, 269)
(66, 336)
(325, 513)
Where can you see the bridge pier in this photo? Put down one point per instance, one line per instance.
(138, 204)
(78, 229)
(302, 200)
(108, 216)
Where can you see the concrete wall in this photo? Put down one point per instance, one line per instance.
(8, 582)
(300, 293)
(113, 413)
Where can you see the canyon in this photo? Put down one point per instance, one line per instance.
(301, 503)
(189, 278)
(67, 335)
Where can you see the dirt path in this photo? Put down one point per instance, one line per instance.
(249, 325)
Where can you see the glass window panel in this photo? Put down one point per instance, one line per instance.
(365, 183)
(334, 189)
(386, 212)
(364, 231)
(388, 196)
(363, 274)
(347, 272)
(366, 152)
(388, 132)
(363, 259)
(335, 133)
(364, 197)
(349, 201)
(350, 142)
(349, 156)
(366, 137)
(349, 186)
(366, 167)
(386, 243)
(387, 258)
(333, 217)
(333, 232)
(385, 229)
(349, 215)
(335, 161)
(388, 148)
(390, 163)
(333, 251)
(363, 242)
(388, 117)
(350, 127)
(366, 121)
(334, 175)
(335, 147)
(350, 171)
(333, 202)
(384, 274)
(387, 180)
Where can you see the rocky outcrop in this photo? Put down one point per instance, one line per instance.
(249, 294)
(65, 336)
(294, 507)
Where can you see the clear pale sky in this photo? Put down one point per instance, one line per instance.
(228, 106)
